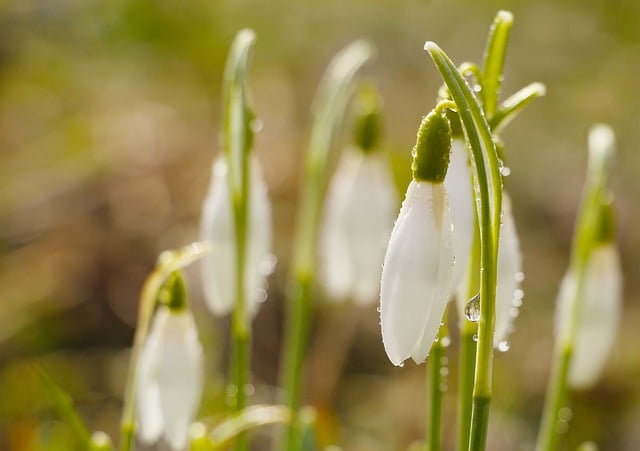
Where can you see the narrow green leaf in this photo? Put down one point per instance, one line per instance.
(514, 104)
(65, 408)
(494, 56)
(249, 418)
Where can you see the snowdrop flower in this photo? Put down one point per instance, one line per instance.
(358, 213)
(598, 316)
(217, 225)
(509, 277)
(461, 198)
(418, 265)
(170, 374)
(590, 297)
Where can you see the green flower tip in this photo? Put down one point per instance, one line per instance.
(432, 149)
(606, 224)
(367, 121)
(173, 293)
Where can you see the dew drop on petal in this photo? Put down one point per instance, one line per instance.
(514, 312)
(518, 294)
(472, 309)
(504, 346)
(268, 264)
(519, 276)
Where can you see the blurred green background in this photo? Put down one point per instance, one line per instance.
(109, 115)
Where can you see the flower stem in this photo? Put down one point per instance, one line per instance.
(556, 398)
(467, 372)
(436, 384)
(331, 101)
(488, 182)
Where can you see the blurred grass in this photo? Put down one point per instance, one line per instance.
(108, 126)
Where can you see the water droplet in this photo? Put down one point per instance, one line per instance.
(516, 302)
(565, 413)
(477, 88)
(256, 125)
(562, 426)
(519, 276)
(504, 346)
(249, 389)
(518, 294)
(378, 309)
(261, 295)
(267, 265)
(445, 342)
(505, 171)
(401, 364)
(514, 312)
(444, 360)
(475, 337)
(444, 371)
(472, 309)
(231, 390)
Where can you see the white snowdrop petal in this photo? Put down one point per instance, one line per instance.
(443, 285)
(218, 267)
(509, 265)
(180, 372)
(460, 193)
(149, 409)
(410, 273)
(260, 233)
(357, 222)
(217, 226)
(598, 317)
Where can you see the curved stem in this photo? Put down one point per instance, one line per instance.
(488, 182)
(436, 384)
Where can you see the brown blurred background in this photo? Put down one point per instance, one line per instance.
(109, 115)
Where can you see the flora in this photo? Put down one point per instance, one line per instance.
(454, 237)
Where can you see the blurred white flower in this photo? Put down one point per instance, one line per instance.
(170, 378)
(509, 277)
(598, 316)
(217, 225)
(417, 273)
(358, 218)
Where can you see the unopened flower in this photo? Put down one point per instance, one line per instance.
(418, 266)
(218, 226)
(509, 276)
(170, 378)
(357, 223)
(461, 200)
(598, 316)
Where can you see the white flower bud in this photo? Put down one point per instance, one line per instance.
(357, 223)
(598, 316)
(417, 273)
(170, 378)
(217, 226)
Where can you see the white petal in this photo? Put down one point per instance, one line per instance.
(598, 317)
(509, 273)
(460, 192)
(218, 267)
(148, 407)
(357, 223)
(412, 273)
(217, 226)
(180, 377)
(260, 258)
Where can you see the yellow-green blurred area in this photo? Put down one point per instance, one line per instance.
(109, 123)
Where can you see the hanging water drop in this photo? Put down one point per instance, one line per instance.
(472, 309)
(504, 346)
(475, 337)
(505, 171)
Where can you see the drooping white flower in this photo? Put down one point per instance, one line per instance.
(217, 225)
(598, 316)
(170, 378)
(417, 273)
(461, 200)
(509, 276)
(358, 218)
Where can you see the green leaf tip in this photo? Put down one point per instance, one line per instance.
(433, 148)
(173, 293)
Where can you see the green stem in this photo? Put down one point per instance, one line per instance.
(436, 382)
(467, 372)
(556, 398)
(489, 206)
(330, 105)
(468, 345)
